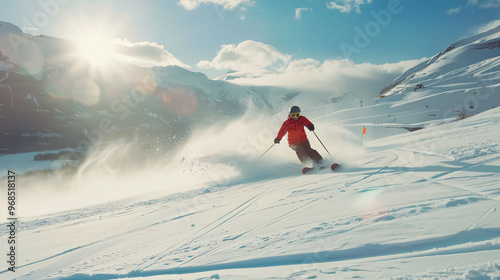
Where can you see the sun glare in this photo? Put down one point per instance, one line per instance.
(96, 49)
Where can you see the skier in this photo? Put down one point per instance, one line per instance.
(297, 138)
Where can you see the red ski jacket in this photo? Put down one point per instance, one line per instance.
(295, 129)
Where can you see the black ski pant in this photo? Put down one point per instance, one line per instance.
(306, 153)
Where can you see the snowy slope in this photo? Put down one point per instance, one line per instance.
(461, 81)
(466, 75)
(419, 205)
(473, 58)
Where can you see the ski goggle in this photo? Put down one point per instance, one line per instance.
(295, 115)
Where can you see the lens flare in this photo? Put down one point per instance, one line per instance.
(86, 91)
(97, 49)
(370, 204)
(23, 53)
(180, 101)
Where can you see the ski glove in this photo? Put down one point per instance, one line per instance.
(311, 127)
(277, 141)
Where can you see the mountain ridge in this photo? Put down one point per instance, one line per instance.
(488, 40)
(73, 98)
(169, 102)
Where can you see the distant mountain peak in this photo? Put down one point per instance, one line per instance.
(6, 27)
(461, 55)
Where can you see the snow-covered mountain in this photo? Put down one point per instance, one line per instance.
(471, 60)
(49, 98)
(461, 81)
(467, 74)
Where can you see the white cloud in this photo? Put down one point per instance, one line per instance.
(259, 64)
(486, 4)
(490, 4)
(146, 54)
(248, 56)
(487, 27)
(30, 30)
(333, 76)
(346, 6)
(298, 12)
(226, 4)
(454, 10)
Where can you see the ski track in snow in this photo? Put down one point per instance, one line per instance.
(420, 248)
(433, 246)
(394, 206)
(198, 235)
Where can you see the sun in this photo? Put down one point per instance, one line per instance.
(96, 49)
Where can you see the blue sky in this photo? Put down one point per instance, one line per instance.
(264, 36)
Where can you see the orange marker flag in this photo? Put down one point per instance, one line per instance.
(364, 132)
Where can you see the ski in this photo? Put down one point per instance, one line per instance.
(307, 170)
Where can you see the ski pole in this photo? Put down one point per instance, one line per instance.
(322, 143)
(267, 150)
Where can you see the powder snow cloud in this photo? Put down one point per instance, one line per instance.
(487, 27)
